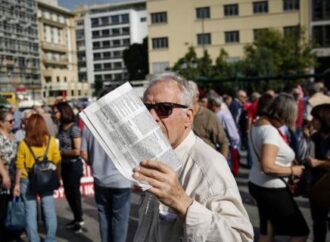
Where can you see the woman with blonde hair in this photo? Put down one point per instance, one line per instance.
(38, 138)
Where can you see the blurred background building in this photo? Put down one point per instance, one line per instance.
(103, 33)
(211, 25)
(58, 55)
(19, 50)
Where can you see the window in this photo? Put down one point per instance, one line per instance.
(97, 67)
(124, 18)
(204, 39)
(95, 34)
(115, 31)
(105, 20)
(97, 56)
(116, 54)
(117, 65)
(95, 22)
(48, 79)
(96, 45)
(260, 7)
(144, 19)
(116, 42)
(126, 42)
(125, 30)
(160, 43)
(160, 67)
(291, 31)
(321, 35)
(107, 77)
(105, 32)
(290, 5)
(115, 19)
(106, 44)
(160, 17)
(107, 66)
(106, 55)
(232, 37)
(202, 13)
(80, 34)
(230, 10)
(320, 10)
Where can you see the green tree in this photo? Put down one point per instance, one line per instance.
(273, 53)
(205, 68)
(136, 60)
(187, 65)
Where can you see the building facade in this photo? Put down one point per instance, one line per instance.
(174, 26)
(103, 33)
(58, 54)
(19, 49)
(320, 29)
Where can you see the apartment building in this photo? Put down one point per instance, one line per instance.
(210, 25)
(103, 33)
(320, 29)
(19, 49)
(58, 54)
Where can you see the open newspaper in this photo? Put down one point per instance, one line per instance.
(127, 132)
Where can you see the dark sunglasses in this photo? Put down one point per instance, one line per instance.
(164, 109)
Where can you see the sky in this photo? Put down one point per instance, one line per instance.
(72, 4)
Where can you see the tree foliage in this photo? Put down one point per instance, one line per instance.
(274, 53)
(136, 60)
(271, 54)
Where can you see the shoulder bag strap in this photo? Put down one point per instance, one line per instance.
(31, 151)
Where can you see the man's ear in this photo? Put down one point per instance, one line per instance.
(189, 117)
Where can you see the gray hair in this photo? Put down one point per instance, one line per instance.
(194, 89)
(284, 108)
(214, 100)
(186, 92)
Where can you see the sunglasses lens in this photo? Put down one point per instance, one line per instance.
(163, 109)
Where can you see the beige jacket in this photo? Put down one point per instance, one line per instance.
(217, 213)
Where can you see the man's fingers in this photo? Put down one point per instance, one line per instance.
(156, 165)
(151, 181)
(151, 173)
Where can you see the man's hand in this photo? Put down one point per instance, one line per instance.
(165, 185)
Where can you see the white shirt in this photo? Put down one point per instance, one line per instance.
(267, 134)
(217, 213)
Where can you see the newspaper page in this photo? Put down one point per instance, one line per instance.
(127, 132)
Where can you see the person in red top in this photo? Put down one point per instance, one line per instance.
(298, 96)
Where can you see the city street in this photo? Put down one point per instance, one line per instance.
(91, 232)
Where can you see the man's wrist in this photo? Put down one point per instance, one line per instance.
(184, 205)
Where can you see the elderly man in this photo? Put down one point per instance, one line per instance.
(202, 195)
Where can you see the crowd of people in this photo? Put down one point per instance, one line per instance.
(201, 201)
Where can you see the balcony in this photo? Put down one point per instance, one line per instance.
(53, 61)
(53, 47)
